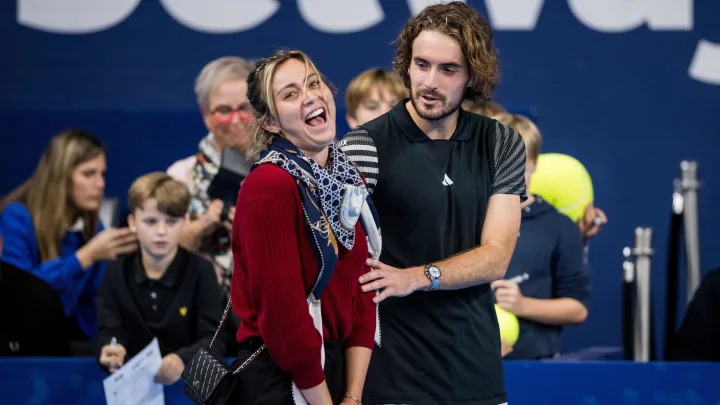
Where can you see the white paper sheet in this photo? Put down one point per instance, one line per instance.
(133, 383)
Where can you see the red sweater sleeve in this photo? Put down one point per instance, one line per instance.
(363, 332)
(267, 207)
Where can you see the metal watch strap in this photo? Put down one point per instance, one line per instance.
(434, 282)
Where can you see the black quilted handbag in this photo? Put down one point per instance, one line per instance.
(208, 379)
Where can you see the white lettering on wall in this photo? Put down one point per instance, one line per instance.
(221, 16)
(705, 65)
(341, 16)
(73, 16)
(615, 16)
(416, 6)
(348, 16)
(521, 15)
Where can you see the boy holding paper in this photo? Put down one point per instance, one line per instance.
(162, 290)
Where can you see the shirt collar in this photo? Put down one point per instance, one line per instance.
(78, 226)
(401, 116)
(171, 276)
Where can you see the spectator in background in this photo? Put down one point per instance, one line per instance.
(371, 94)
(594, 219)
(29, 308)
(549, 250)
(221, 89)
(486, 108)
(161, 291)
(51, 229)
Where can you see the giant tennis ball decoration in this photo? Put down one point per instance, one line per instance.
(563, 182)
(509, 326)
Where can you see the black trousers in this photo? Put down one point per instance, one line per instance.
(262, 382)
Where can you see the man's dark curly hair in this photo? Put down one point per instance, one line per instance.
(474, 35)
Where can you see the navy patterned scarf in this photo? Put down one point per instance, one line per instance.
(334, 198)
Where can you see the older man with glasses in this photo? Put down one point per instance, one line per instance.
(221, 90)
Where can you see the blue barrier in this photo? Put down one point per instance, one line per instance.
(40, 381)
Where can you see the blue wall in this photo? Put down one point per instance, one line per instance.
(79, 382)
(622, 102)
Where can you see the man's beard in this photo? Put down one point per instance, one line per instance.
(448, 110)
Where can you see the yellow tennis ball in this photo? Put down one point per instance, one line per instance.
(563, 182)
(509, 326)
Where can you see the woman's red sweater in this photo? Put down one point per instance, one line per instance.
(275, 267)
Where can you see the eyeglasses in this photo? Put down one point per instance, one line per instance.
(224, 113)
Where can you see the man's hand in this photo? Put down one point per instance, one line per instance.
(170, 369)
(508, 296)
(393, 282)
(112, 357)
(592, 222)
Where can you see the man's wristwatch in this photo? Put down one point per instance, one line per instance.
(433, 273)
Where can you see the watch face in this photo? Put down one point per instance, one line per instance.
(434, 272)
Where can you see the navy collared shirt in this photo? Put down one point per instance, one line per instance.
(549, 249)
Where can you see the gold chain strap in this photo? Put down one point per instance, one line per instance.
(245, 363)
(222, 321)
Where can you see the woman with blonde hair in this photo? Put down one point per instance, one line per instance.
(299, 244)
(50, 227)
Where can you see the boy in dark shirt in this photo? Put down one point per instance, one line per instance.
(161, 291)
(549, 249)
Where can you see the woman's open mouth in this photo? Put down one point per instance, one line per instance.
(316, 118)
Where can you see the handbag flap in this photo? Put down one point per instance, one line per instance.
(203, 373)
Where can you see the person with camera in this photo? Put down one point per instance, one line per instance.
(221, 89)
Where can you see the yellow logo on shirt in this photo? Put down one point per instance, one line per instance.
(183, 311)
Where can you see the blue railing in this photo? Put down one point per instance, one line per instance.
(40, 381)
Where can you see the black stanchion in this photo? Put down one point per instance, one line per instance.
(673, 277)
(628, 305)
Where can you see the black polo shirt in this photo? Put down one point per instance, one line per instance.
(431, 197)
(154, 297)
(181, 308)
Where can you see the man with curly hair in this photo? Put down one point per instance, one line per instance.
(447, 185)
